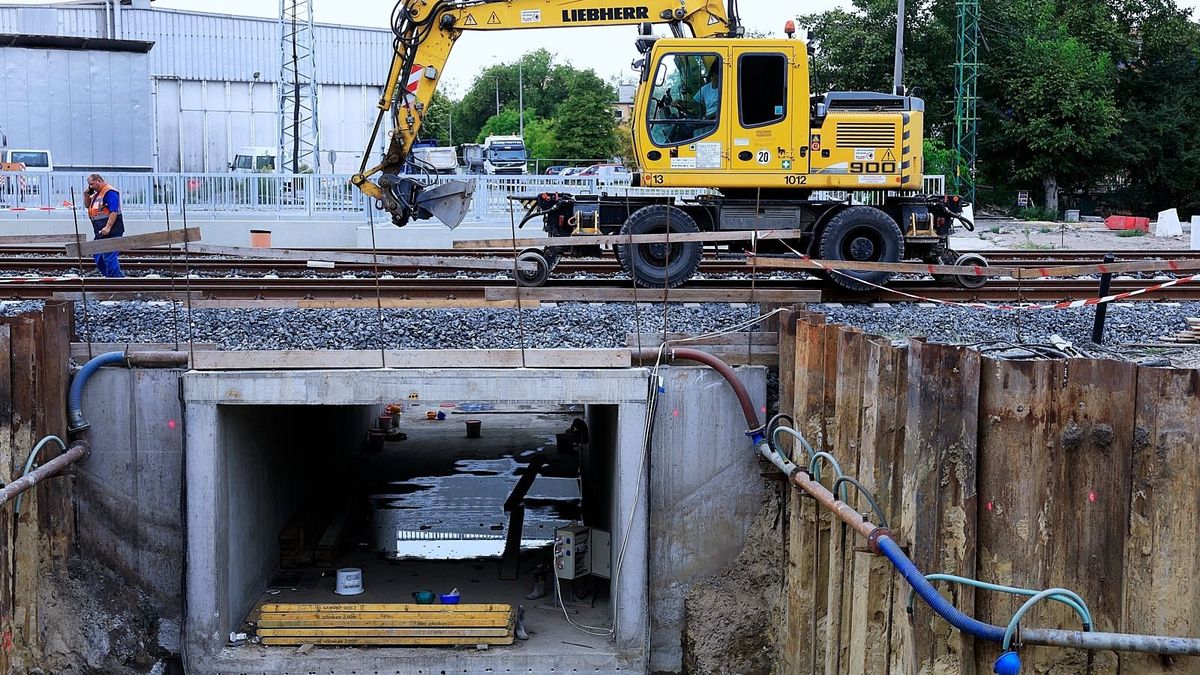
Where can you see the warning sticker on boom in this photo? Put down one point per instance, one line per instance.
(531, 16)
(470, 20)
(493, 19)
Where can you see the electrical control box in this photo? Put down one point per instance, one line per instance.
(580, 550)
(571, 559)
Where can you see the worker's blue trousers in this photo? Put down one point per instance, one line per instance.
(107, 263)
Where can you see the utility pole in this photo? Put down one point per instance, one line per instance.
(521, 94)
(898, 64)
(299, 136)
(497, 79)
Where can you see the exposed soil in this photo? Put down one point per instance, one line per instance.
(98, 624)
(729, 619)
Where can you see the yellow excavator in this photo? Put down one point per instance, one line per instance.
(714, 109)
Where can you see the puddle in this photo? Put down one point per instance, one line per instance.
(461, 515)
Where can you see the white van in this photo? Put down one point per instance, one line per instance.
(255, 159)
(35, 161)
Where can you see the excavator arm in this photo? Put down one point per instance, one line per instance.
(426, 31)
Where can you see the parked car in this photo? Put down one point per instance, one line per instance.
(607, 173)
(571, 171)
(556, 170)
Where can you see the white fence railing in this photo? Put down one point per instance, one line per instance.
(151, 194)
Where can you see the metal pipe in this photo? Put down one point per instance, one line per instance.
(78, 450)
(731, 377)
(157, 359)
(841, 509)
(1121, 642)
(898, 64)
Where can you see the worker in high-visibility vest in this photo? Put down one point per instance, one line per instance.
(104, 210)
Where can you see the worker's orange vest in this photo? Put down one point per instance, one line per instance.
(98, 207)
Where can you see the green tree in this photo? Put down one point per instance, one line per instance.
(1157, 90)
(436, 124)
(586, 127)
(1049, 111)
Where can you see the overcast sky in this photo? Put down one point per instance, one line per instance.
(608, 51)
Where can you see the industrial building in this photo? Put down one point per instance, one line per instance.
(144, 91)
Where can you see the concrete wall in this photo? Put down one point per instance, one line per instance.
(705, 490)
(691, 511)
(130, 490)
(277, 456)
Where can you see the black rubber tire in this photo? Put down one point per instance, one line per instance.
(861, 234)
(659, 265)
(534, 277)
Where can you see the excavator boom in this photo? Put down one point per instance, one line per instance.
(425, 35)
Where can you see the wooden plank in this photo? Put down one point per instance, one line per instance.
(880, 470)
(461, 620)
(28, 239)
(779, 297)
(971, 271)
(25, 330)
(330, 542)
(611, 239)
(361, 303)
(382, 607)
(6, 453)
(55, 508)
(382, 260)
(133, 241)
(1068, 425)
(446, 631)
(417, 358)
(386, 641)
(848, 408)
(939, 514)
(1162, 552)
(809, 533)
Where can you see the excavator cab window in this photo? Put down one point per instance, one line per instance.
(762, 89)
(685, 101)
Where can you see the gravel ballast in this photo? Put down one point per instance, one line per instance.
(580, 325)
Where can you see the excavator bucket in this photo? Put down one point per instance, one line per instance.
(448, 202)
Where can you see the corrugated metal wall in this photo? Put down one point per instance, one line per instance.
(185, 43)
(195, 89)
(94, 112)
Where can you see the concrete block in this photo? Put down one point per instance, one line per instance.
(1168, 224)
(1196, 232)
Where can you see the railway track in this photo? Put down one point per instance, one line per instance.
(368, 289)
(49, 261)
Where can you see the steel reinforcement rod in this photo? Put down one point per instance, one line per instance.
(881, 542)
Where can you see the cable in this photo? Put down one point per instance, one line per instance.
(1016, 618)
(865, 493)
(1072, 600)
(796, 434)
(815, 468)
(29, 463)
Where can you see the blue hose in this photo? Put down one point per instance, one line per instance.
(75, 421)
(929, 594)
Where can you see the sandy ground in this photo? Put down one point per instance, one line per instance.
(1034, 235)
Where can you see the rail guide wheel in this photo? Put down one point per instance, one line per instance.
(534, 277)
(971, 260)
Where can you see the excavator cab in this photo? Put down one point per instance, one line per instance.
(737, 114)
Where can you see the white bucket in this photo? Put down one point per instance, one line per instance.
(349, 581)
